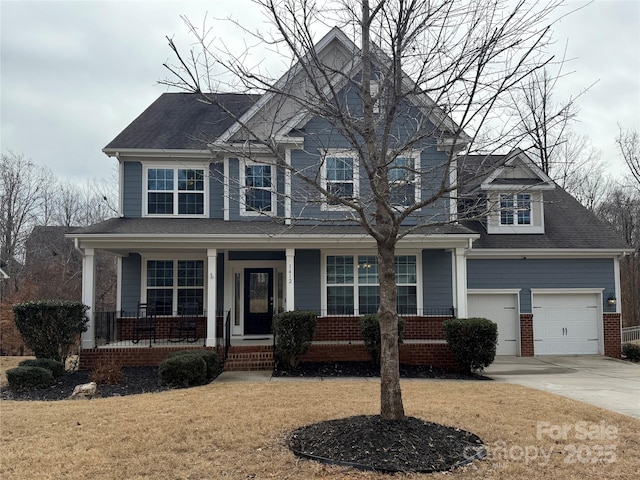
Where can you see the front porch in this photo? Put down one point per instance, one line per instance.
(337, 338)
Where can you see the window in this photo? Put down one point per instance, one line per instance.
(258, 183)
(352, 284)
(174, 283)
(515, 209)
(403, 181)
(175, 191)
(340, 178)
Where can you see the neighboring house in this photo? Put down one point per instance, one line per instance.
(243, 238)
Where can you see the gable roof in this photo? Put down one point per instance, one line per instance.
(568, 225)
(181, 121)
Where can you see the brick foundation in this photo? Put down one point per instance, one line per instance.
(526, 335)
(130, 357)
(612, 335)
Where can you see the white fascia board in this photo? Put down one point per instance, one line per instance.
(495, 253)
(240, 149)
(511, 157)
(113, 242)
(156, 153)
(518, 188)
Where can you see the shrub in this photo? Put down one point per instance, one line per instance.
(56, 368)
(108, 371)
(50, 328)
(28, 378)
(631, 351)
(210, 359)
(293, 333)
(183, 371)
(472, 341)
(370, 331)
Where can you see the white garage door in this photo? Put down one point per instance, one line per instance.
(565, 323)
(501, 309)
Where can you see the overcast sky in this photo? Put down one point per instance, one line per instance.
(75, 73)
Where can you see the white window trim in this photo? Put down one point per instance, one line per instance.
(340, 153)
(174, 258)
(146, 166)
(514, 210)
(243, 189)
(415, 158)
(537, 214)
(323, 278)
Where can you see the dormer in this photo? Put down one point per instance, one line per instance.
(515, 196)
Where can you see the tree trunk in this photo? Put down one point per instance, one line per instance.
(391, 407)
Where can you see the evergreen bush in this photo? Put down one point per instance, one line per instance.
(29, 378)
(472, 341)
(183, 371)
(210, 359)
(56, 368)
(631, 351)
(51, 328)
(293, 333)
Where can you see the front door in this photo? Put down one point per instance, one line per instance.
(258, 300)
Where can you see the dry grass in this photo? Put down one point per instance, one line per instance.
(236, 431)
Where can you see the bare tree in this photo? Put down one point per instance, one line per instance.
(22, 184)
(629, 144)
(455, 60)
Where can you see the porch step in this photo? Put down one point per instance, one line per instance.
(249, 358)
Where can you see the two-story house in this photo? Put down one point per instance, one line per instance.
(209, 218)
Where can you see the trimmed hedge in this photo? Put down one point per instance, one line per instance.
(210, 359)
(29, 378)
(51, 328)
(370, 331)
(631, 351)
(472, 341)
(56, 368)
(183, 371)
(293, 333)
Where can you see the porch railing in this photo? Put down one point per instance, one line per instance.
(630, 334)
(115, 329)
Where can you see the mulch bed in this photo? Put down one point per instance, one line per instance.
(134, 380)
(371, 443)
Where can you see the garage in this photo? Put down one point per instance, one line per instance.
(501, 308)
(566, 323)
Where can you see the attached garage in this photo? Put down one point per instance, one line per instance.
(566, 322)
(501, 308)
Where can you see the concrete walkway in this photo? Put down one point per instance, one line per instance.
(601, 381)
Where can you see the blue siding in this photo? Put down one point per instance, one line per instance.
(216, 191)
(437, 286)
(542, 273)
(132, 201)
(234, 190)
(307, 278)
(131, 278)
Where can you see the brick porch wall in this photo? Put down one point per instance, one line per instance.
(131, 357)
(337, 329)
(526, 335)
(612, 334)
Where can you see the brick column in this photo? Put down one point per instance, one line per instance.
(526, 335)
(612, 335)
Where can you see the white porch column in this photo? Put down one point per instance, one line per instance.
(212, 304)
(290, 289)
(460, 282)
(89, 296)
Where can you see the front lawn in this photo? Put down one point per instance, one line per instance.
(237, 431)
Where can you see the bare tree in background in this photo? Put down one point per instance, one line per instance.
(629, 144)
(22, 184)
(456, 59)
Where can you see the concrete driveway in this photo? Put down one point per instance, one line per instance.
(601, 381)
